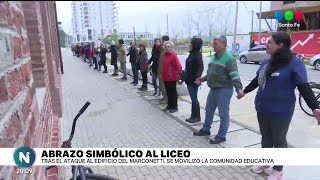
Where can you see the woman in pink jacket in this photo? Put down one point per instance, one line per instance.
(171, 68)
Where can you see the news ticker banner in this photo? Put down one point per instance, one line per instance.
(25, 157)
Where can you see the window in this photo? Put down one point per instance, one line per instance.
(259, 48)
(288, 2)
(89, 34)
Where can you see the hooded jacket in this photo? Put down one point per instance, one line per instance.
(171, 67)
(143, 61)
(194, 62)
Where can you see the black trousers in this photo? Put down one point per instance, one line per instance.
(274, 133)
(171, 90)
(115, 65)
(144, 75)
(102, 62)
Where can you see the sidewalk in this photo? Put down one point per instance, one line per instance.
(303, 133)
(121, 117)
(243, 129)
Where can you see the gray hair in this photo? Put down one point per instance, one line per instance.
(222, 39)
(170, 42)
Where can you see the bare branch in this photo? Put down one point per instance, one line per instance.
(188, 24)
(210, 24)
(197, 23)
(175, 32)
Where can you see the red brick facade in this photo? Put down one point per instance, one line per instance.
(30, 80)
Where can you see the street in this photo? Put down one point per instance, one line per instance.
(248, 71)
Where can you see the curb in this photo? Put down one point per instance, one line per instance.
(216, 113)
(191, 126)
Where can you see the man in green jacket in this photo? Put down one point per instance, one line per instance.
(163, 90)
(222, 76)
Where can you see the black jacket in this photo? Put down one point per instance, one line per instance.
(114, 54)
(103, 52)
(155, 55)
(133, 53)
(194, 67)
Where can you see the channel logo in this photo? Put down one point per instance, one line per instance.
(24, 157)
(288, 15)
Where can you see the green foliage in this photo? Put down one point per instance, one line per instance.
(109, 38)
(142, 41)
(62, 37)
(184, 41)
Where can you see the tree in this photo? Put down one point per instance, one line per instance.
(109, 38)
(210, 25)
(62, 37)
(143, 41)
(175, 33)
(158, 31)
(188, 24)
(197, 23)
(224, 19)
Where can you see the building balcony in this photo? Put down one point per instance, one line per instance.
(84, 12)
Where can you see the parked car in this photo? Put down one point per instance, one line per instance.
(315, 61)
(256, 54)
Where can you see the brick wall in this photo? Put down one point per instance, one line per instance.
(30, 80)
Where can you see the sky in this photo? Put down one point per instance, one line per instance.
(151, 15)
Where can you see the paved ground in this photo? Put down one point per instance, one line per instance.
(119, 117)
(303, 132)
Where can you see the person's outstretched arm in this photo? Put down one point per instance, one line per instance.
(252, 86)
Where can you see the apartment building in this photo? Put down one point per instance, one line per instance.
(92, 20)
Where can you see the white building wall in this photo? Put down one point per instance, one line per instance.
(100, 15)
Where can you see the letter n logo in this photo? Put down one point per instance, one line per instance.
(24, 157)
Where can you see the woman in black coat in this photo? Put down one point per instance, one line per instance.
(103, 58)
(114, 58)
(193, 70)
(155, 55)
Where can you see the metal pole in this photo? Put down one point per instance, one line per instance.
(235, 29)
(101, 19)
(259, 38)
(134, 35)
(167, 24)
(252, 22)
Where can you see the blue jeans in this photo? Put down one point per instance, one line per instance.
(95, 62)
(134, 68)
(219, 97)
(195, 108)
(155, 82)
